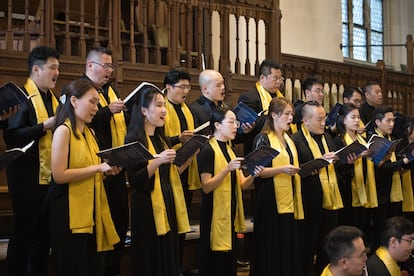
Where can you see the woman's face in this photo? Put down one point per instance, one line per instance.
(227, 129)
(86, 107)
(284, 119)
(156, 111)
(351, 120)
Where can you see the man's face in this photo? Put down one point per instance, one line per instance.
(386, 125)
(100, 70)
(315, 120)
(374, 95)
(355, 99)
(315, 94)
(355, 263)
(273, 81)
(177, 93)
(45, 76)
(215, 89)
(403, 248)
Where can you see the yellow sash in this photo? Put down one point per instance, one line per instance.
(370, 184)
(388, 261)
(118, 126)
(265, 96)
(326, 271)
(288, 194)
(45, 143)
(88, 205)
(158, 205)
(407, 191)
(331, 196)
(172, 128)
(396, 188)
(221, 228)
(359, 195)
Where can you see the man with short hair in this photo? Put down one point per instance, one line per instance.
(258, 99)
(397, 243)
(320, 191)
(179, 126)
(352, 95)
(373, 99)
(109, 124)
(346, 251)
(29, 176)
(212, 96)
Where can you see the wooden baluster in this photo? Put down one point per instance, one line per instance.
(237, 62)
(96, 42)
(145, 52)
(68, 43)
(26, 35)
(247, 63)
(199, 36)
(110, 26)
(189, 37)
(82, 42)
(257, 63)
(210, 35)
(132, 50)
(157, 33)
(42, 23)
(9, 32)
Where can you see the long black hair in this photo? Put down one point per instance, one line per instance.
(76, 88)
(136, 125)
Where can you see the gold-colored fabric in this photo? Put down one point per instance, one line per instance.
(407, 191)
(158, 205)
(221, 228)
(396, 188)
(118, 126)
(172, 128)
(332, 199)
(370, 184)
(88, 204)
(361, 125)
(265, 97)
(45, 143)
(293, 128)
(288, 193)
(326, 271)
(388, 261)
(359, 195)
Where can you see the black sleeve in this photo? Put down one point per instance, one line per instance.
(205, 160)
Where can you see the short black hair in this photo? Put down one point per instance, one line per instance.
(175, 75)
(396, 227)
(368, 86)
(311, 81)
(39, 55)
(267, 65)
(379, 112)
(349, 91)
(339, 242)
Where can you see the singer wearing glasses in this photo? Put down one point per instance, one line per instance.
(397, 243)
(347, 253)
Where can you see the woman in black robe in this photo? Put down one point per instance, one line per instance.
(154, 230)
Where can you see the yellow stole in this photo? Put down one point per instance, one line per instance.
(265, 96)
(118, 126)
(359, 195)
(158, 205)
(396, 188)
(407, 191)
(326, 271)
(45, 143)
(88, 205)
(361, 125)
(388, 261)
(221, 228)
(370, 184)
(288, 194)
(331, 196)
(172, 128)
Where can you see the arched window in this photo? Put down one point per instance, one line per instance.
(362, 30)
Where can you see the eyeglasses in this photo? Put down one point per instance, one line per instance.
(234, 123)
(276, 79)
(106, 66)
(410, 241)
(362, 255)
(183, 86)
